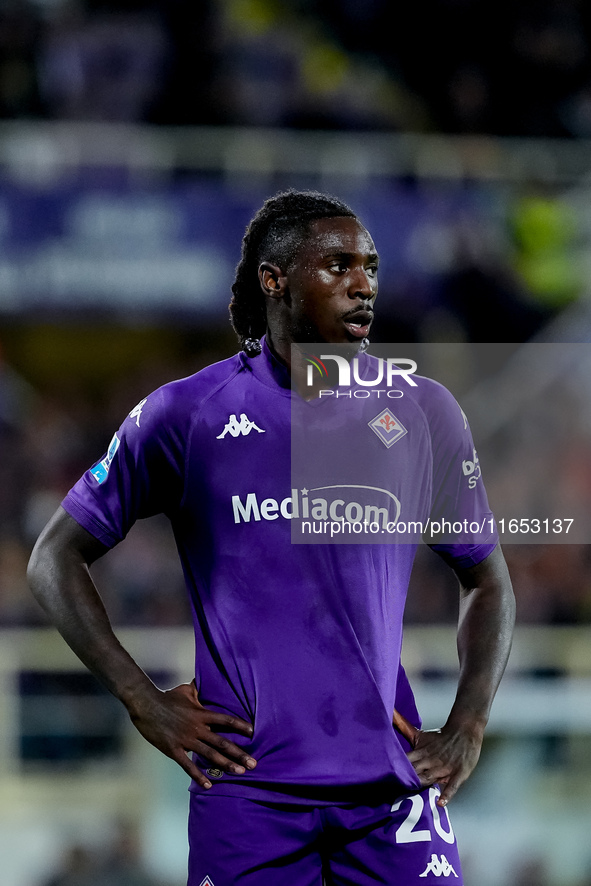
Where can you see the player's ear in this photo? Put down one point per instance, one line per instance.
(272, 279)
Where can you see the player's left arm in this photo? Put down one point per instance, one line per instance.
(487, 614)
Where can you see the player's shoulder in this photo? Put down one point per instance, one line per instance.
(432, 393)
(437, 403)
(175, 403)
(423, 389)
(205, 383)
(421, 392)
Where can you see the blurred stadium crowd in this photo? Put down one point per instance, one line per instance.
(117, 863)
(508, 68)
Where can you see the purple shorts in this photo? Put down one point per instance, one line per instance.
(234, 840)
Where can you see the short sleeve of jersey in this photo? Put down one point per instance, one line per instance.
(140, 475)
(461, 523)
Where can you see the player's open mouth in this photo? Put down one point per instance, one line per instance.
(358, 324)
(357, 330)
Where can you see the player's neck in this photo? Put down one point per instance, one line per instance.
(295, 360)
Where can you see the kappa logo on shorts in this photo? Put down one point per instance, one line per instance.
(387, 427)
(207, 882)
(439, 867)
(236, 428)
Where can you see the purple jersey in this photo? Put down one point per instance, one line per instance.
(302, 640)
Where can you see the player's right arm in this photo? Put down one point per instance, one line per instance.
(172, 720)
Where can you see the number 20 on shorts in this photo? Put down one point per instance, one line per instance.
(406, 832)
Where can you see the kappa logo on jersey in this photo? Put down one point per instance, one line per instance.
(100, 471)
(236, 428)
(387, 427)
(472, 470)
(207, 882)
(137, 411)
(439, 867)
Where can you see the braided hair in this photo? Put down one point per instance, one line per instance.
(275, 234)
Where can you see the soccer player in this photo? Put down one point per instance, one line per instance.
(298, 773)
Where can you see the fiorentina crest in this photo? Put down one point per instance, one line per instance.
(387, 427)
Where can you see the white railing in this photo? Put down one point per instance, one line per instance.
(548, 681)
(43, 148)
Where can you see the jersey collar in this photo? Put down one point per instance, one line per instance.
(273, 373)
(268, 369)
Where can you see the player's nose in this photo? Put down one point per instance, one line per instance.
(362, 285)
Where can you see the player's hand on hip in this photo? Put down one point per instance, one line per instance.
(176, 723)
(445, 756)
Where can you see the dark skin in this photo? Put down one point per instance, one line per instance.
(172, 720)
(448, 755)
(325, 295)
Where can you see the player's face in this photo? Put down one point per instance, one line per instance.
(333, 283)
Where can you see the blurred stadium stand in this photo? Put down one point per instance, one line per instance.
(136, 140)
